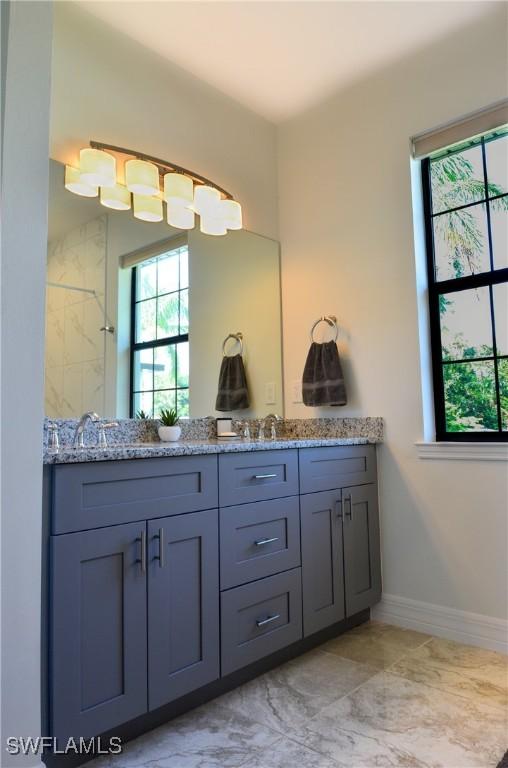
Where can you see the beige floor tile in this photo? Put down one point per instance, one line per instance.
(208, 737)
(374, 643)
(289, 754)
(296, 691)
(473, 672)
(390, 721)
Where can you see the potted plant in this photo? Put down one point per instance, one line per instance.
(169, 431)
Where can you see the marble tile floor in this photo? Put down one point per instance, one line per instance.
(378, 696)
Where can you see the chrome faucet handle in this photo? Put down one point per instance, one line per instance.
(246, 430)
(261, 429)
(103, 426)
(53, 438)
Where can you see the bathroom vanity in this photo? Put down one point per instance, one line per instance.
(173, 578)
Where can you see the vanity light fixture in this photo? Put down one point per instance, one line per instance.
(184, 192)
(74, 183)
(147, 208)
(117, 197)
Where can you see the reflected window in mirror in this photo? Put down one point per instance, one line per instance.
(160, 334)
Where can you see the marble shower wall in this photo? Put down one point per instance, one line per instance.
(75, 347)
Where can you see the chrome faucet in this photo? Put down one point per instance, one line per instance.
(79, 441)
(273, 417)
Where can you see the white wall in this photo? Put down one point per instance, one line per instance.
(109, 88)
(348, 249)
(23, 276)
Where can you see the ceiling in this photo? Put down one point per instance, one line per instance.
(280, 58)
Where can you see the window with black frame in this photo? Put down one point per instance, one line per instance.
(160, 334)
(466, 216)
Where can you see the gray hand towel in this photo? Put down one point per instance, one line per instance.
(323, 381)
(233, 394)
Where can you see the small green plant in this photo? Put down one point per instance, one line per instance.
(168, 417)
(141, 414)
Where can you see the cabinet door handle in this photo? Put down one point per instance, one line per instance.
(160, 556)
(264, 622)
(142, 559)
(260, 542)
(350, 507)
(264, 477)
(338, 505)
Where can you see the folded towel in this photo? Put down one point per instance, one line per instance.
(323, 382)
(233, 394)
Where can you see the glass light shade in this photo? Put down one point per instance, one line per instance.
(117, 197)
(212, 224)
(142, 178)
(180, 216)
(206, 200)
(74, 183)
(231, 212)
(147, 208)
(178, 188)
(98, 168)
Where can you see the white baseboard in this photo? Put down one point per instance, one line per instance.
(464, 627)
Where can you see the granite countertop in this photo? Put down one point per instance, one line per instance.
(146, 450)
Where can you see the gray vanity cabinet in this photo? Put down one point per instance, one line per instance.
(362, 566)
(98, 660)
(322, 560)
(183, 605)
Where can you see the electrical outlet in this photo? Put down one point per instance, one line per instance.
(270, 393)
(296, 388)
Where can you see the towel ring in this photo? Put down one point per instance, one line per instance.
(332, 322)
(237, 337)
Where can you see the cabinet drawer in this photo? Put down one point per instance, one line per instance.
(260, 618)
(111, 492)
(258, 540)
(256, 476)
(323, 469)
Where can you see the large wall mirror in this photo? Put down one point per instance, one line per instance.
(137, 313)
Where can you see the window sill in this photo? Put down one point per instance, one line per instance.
(463, 451)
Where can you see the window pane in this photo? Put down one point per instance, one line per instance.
(145, 320)
(499, 229)
(184, 311)
(503, 392)
(167, 316)
(457, 179)
(167, 273)
(466, 328)
(500, 295)
(164, 370)
(146, 280)
(184, 268)
(497, 165)
(143, 369)
(461, 243)
(163, 399)
(143, 401)
(183, 364)
(182, 406)
(470, 400)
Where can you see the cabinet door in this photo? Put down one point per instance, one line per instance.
(98, 663)
(362, 566)
(322, 560)
(183, 605)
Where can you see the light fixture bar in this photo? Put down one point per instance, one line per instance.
(163, 165)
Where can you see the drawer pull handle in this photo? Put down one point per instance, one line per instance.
(265, 477)
(260, 542)
(263, 622)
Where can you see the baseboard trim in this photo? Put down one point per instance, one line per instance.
(450, 623)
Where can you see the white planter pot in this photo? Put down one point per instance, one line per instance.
(170, 434)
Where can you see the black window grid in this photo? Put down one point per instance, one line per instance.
(153, 344)
(437, 288)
